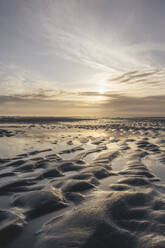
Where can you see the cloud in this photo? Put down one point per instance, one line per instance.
(90, 93)
(113, 104)
(66, 33)
(36, 104)
(43, 95)
(144, 82)
(17, 80)
(134, 76)
(123, 105)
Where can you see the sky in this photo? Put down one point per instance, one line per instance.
(82, 57)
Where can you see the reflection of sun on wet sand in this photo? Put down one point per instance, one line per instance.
(83, 183)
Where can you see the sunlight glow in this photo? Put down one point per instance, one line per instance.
(102, 91)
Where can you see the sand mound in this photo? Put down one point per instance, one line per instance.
(12, 223)
(40, 202)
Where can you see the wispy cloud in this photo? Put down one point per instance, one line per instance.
(67, 34)
(146, 82)
(141, 75)
(17, 80)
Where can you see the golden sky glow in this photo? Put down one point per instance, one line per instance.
(60, 57)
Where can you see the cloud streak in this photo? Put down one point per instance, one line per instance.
(64, 27)
(113, 104)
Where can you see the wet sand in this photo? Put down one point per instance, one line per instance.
(82, 183)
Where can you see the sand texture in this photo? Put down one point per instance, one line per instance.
(72, 183)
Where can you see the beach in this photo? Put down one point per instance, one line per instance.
(82, 182)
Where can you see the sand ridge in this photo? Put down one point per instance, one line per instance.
(96, 186)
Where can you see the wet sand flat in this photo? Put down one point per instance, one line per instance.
(82, 183)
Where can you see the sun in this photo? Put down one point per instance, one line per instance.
(102, 91)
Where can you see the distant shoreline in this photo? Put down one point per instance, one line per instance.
(39, 119)
(51, 119)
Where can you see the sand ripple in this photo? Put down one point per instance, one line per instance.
(87, 189)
